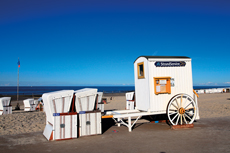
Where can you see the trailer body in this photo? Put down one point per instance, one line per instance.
(159, 78)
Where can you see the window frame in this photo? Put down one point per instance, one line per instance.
(138, 70)
(168, 85)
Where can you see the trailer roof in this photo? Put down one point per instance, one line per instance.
(178, 57)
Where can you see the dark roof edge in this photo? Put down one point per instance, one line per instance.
(178, 57)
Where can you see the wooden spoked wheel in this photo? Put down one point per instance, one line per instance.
(181, 110)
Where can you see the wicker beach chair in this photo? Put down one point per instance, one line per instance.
(29, 104)
(5, 107)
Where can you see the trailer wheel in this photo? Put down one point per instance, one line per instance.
(181, 109)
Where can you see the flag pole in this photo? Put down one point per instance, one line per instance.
(18, 84)
(18, 106)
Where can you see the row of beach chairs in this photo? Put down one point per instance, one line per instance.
(6, 107)
(31, 104)
(70, 114)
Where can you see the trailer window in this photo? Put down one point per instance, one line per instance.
(140, 70)
(162, 85)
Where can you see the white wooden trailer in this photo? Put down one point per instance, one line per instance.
(163, 85)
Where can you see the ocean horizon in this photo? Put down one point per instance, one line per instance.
(39, 90)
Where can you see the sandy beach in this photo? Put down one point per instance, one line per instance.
(23, 129)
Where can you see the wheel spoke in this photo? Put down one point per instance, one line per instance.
(187, 116)
(185, 119)
(190, 113)
(172, 113)
(174, 106)
(185, 101)
(190, 108)
(177, 103)
(173, 110)
(175, 117)
(180, 119)
(188, 105)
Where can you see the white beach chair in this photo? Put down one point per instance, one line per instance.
(36, 102)
(29, 104)
(129, 100)
(60, 123)
(201, 91)
(214, 90)
(100, 104)
(89, 119)
(220, 90)
(5, 107)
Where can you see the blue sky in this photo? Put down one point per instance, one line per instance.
(96, 42)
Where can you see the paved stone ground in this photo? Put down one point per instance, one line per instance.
(208, 135)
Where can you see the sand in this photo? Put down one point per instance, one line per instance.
(22, 132)
(214, 105)
(22, 122)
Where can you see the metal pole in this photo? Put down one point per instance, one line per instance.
(18, 106)
(18, 85)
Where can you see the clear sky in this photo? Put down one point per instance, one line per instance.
(95, 42)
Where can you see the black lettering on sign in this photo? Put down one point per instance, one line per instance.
(170, 64)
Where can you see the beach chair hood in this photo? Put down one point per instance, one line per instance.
(57, 102)
(85, 99)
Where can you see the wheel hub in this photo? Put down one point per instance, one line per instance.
(181, 110)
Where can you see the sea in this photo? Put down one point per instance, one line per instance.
(39, 90)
